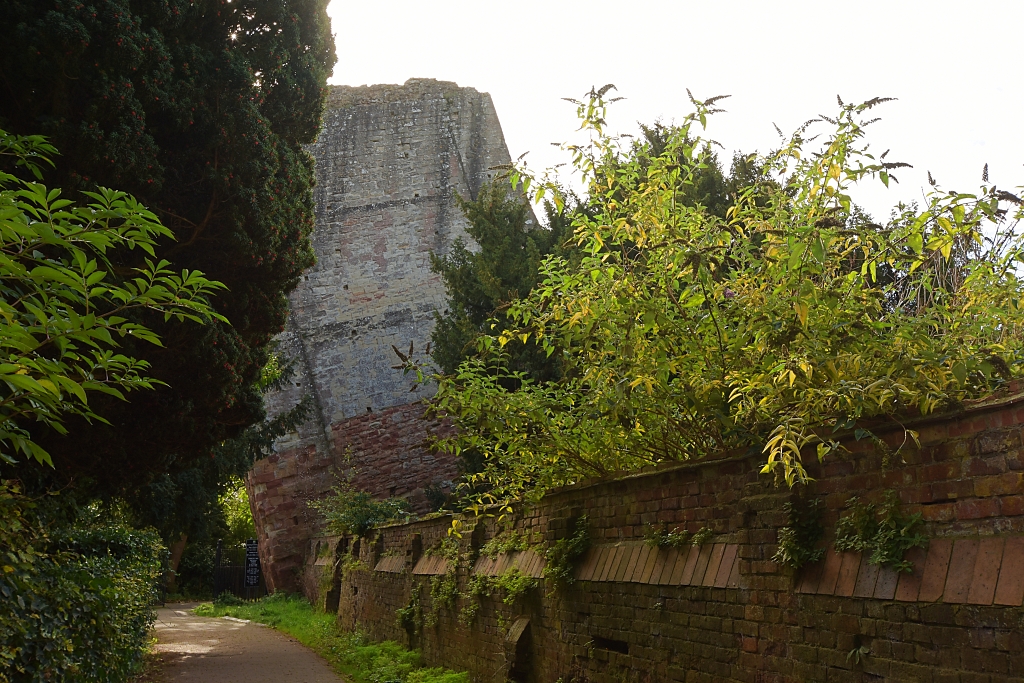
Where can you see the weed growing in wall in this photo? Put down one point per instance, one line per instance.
(347, 511)
(799, 539)
(514, 584)
(561, 556)
(476, 588)
(882, 530)
(702, 536)
(508, 541)
(660, 538)
(409, 617)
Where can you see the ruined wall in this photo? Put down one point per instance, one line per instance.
(725, 611)
(390, 161)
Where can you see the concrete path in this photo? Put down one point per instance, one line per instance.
(207, 650)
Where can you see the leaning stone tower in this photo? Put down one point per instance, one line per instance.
(390, 160)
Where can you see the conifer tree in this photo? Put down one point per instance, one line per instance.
(199, 108)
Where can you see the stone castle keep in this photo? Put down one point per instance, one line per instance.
(390, 161)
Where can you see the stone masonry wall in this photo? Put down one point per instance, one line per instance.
(390, 161)
(725, 611)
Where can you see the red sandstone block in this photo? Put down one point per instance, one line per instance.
(939, 471)
(726, 568)
(885, 585)
(702, 565)
(952, 490)
(910, 582)
(977, 467)
(961, 570)
(1011, 506)
(940, 512)
(848, 574)
(749, 644)
(1008, 483)
(916, 494)
(628, 563)
(936, 567)
(604, 554)
(621, 555)
(830, 573)
(735, 580)
(717, 553)
(661, 558)
(977, 508)
(640, 564)
(986, 571)
(1010, 587)
(809, 576)
(586, 570)
(692, 558)
(649, 565)
(676, 565)
(866, 578)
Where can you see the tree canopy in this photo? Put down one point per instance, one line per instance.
(776, 326)
(200, 110)
(64, 311)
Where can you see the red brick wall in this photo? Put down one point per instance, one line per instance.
(726, 611)
(386, 454)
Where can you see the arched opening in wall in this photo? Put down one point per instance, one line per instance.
(517, 649)
(333, 597)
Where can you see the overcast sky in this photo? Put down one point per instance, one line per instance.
(955, 67)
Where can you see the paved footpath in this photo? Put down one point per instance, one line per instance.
(224, 650)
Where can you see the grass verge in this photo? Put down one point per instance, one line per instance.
(349, 653)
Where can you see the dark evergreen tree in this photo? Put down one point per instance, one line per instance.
(504, 267)
(199, 108)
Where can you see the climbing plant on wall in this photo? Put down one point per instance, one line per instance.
(789, 319)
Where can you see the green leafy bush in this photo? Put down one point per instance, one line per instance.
(508, 541)
(792, 316)
(347, 511)
(662, 538)
(561, 556)
(882, 530)
(66, 300)
(77, 602)
(798, 541)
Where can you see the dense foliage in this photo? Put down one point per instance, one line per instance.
(348, 511)
(65, 307)
(503, 267)
(76, 601)
(882, 530)
(199, 109)
(791, 319)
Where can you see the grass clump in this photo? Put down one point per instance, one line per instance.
(349, 653)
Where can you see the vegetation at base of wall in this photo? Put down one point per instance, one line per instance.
(659, 537)
(349, 653)
(347, 511)
(790, 318)
(560, 557)
(77, 599)
(883, 530)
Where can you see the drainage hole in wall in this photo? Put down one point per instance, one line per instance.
(610, 645)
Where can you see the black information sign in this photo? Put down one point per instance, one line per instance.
(252, 564)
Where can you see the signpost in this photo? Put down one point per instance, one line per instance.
(252, 566)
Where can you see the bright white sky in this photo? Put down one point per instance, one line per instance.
(954, 65)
